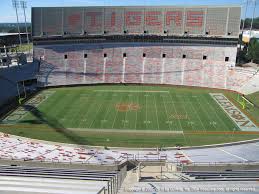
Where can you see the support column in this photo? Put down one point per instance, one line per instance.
(123, 69)
(85, 69)
(104, 68)
(143, 70)
(202, 75)
(66, 66)
(183, 69)
(163, 70)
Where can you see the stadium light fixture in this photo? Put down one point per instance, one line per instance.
(24, 6)
(16, 6)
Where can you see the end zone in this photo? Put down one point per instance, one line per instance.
(239, 118)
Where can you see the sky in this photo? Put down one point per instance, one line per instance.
(7, 13)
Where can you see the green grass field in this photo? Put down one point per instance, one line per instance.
(254, 98)
(138, 116)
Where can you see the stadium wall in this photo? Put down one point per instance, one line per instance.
(147, 63)
(221, 21)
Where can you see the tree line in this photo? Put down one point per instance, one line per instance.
(12, 27)
(248, 23)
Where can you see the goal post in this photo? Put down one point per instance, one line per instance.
(243, 101)
(21, 94)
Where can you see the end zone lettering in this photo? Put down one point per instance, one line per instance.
(32, 103)
(242, 121)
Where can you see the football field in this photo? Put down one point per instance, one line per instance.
(130, 109)
(135, 108)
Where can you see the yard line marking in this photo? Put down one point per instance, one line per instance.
(76, 113)
(136, 119)
(180, 123)
(215, 112)
(176, 113)
(206, 113)
(125, 117)
(232, 154)
(116, 114)
(197, 115)
(107, 110)
(100, 105)
(134, 91)
(185, 111)
(166, 113)
(156, 114)
(71, 109)
(88, 110)
(146, 109)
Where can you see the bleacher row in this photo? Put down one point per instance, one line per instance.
(110, 63)
(28, 150)
(236, 175)
(57, 172)
(16, 148)
(51, 179)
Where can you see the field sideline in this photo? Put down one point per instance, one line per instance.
(166, 116)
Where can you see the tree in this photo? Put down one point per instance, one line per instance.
(253, 50)
(248, 23)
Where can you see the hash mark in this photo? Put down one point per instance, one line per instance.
(191, 123)
(125, 121)
(213, 123)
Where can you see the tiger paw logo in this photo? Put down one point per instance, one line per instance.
(125, 107)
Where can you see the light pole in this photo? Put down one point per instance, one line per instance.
(243, 25)
(252, 21)
(24, 6)
(16, 6)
